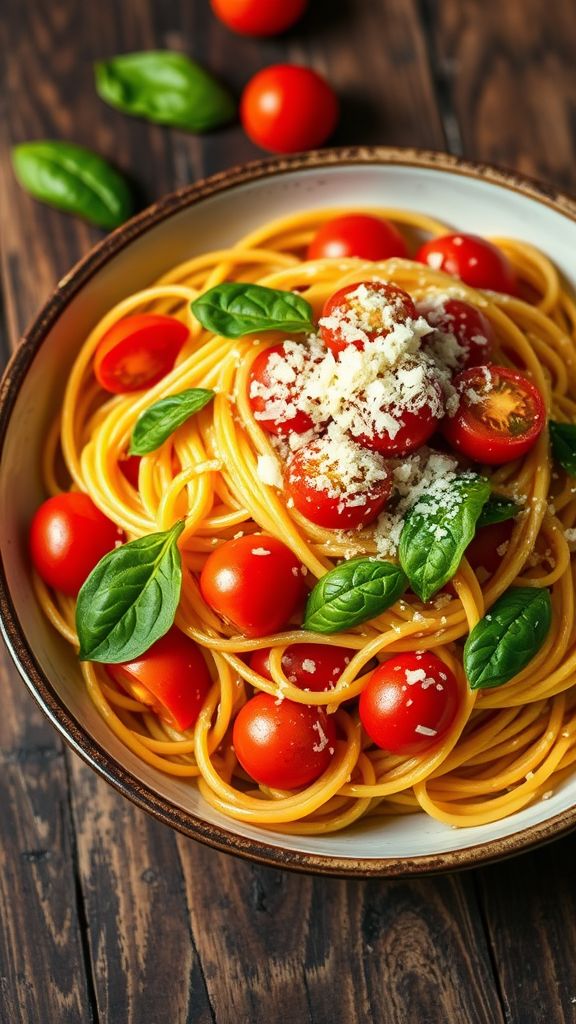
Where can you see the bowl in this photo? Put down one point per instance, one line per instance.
(208, 215)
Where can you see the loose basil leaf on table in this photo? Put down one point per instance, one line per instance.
(164, 87)
(437, 531)
(73, 179)
(160, 420)
(563, 441)
(352, 593)
(235, 309)
(130, 598)
(497, 510)
(508, 637)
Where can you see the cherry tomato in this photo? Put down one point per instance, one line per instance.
(130, 466)
(470, 327)
(138, 351)
(285, 108)
(254, 582)
(320, 493)
(362, 312)
(172, 677)
(358, 234)
(315, 667)
(259, 17)
(415, 427)
(487, 548)
(68, 536)
(409, 703)
(500, 416)
(284, 745)
(279, 420)
(474, 260)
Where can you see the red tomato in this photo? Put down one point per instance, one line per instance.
(336, 505)
(130, 466)
(285, 108)
(315, 667)
(485, 550)
(284, 745)
(470, 327)
(172, 677)
(500, 416)
(68, 536)
(474, 260)
(416, 427)
(352, 321)
(260, 377)
(409, 703)
(138, 351)
(254, 582)
(259, 17)
(358, 234)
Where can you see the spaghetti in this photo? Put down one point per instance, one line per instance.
(507, 746)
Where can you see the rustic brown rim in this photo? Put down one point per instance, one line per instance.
(38, 683)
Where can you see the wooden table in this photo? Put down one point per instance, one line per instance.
(105, 915)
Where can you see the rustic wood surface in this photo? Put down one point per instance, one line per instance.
(105, 915)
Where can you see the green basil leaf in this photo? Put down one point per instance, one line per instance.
(508, 637)
(437, 531)
(164, 87)
(497, 510)
(130, 598)
(563, 440)
(73, 179)
(232, 310)
(352, 593)
(160, 420)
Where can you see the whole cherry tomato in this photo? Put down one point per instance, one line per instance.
(259, 17)
(322, 493)
(363, 311)
(475, 260)
(285, 108)
(357, 234)
(254, 582)
(275, 414)
(138, 351)
(315, 667)
(172, 677)
(472, 330)
(283, 744)
(409, 703)
(500, 416)
(68, 537)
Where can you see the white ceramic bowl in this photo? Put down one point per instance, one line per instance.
(205, 216)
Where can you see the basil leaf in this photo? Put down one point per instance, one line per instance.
(508, 637)
(73, 179)
(437, 531)
(497, 510)
(352, 593)
(160, 420)
(164, 87)
(563, 440)
(234, 309)
(130, 598)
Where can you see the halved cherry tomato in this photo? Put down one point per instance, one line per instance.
(475, 260)
(362, 312)
(358, 234)
(314, 482)
(315, 667)
(487, 548)
(254, 582)
(275, 411)
(284, 745)
(500, 416)
(285, 109)
(138, 351)
(259, 17)
(471, 328)
(415, 427)
(409, 703)
(172, 677)
(68, 537)
(130, 466)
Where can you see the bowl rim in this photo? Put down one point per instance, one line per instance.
(38, 683)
